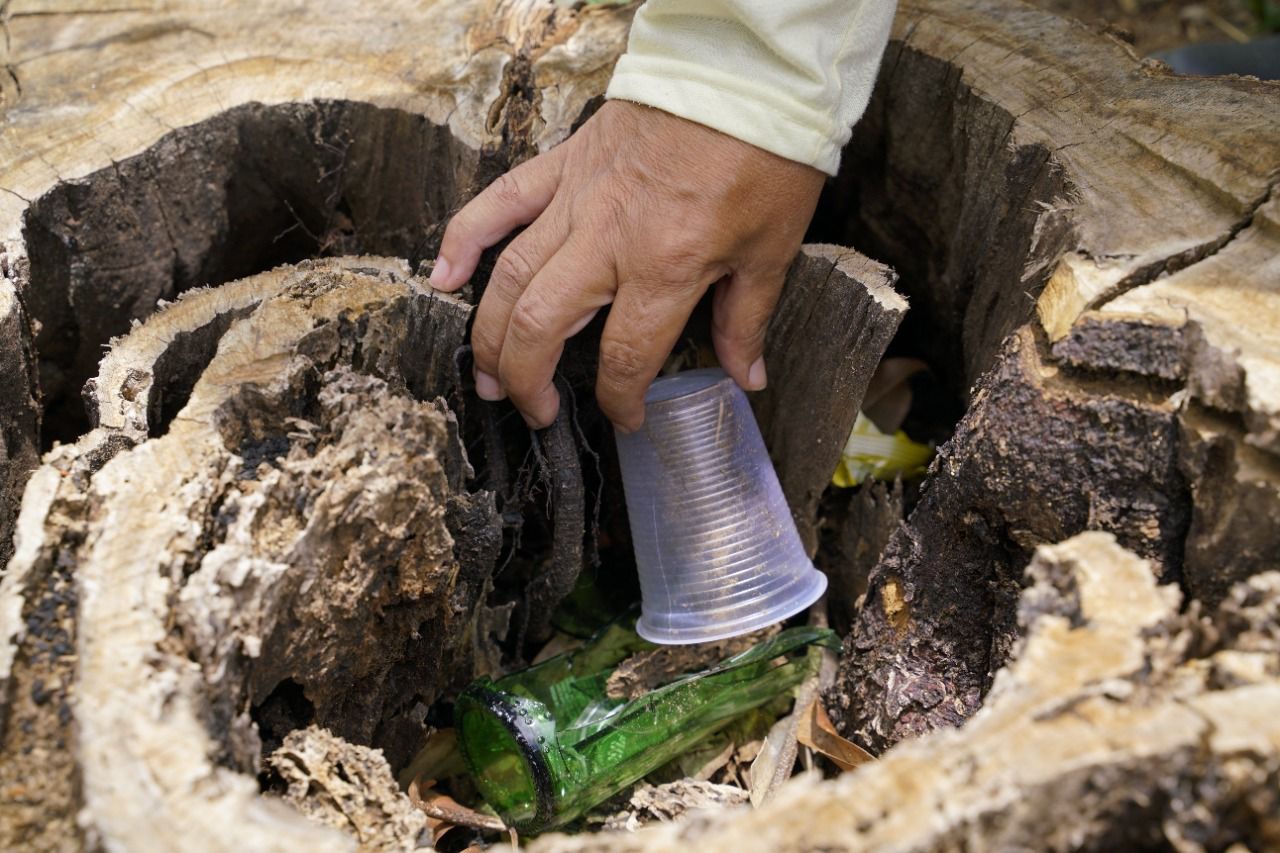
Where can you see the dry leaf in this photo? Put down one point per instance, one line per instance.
(777, 757)
(748, 751)
(817, 732)
(559, 643)
(711, 767)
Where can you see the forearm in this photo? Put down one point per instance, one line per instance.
(790, 76)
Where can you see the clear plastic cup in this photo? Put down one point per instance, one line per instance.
(717, 550)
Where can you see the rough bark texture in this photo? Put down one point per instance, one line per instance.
(281, 554)
(1040, 457)
(858, 527)
(1122, 723)
(1088, 241)
(837, 315)
(19, 412)
(1027, 175)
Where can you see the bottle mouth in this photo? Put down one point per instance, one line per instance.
(503, 740)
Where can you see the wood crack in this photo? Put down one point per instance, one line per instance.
(1187, 258)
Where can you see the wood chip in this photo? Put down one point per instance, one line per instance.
(715, 764)
(670, 801)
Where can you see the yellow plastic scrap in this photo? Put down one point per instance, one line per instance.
(870, 454)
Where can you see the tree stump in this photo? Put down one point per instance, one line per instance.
(262, 519)
(1091, 249)
(291, 543)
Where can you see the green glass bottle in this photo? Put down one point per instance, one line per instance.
(547, 744)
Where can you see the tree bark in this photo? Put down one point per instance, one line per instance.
(217, 143)
(834, 321)
(1090, 246)
(19, 411)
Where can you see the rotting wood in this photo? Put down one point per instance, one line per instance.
(299, 462)
(856, 530)
(649, 670)
(1122, 723)
(19, 412)
(1004, 149)
(1040, 457)
(219, 142)
(349, 788)
(560, 467)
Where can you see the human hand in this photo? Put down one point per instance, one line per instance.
(644, 210)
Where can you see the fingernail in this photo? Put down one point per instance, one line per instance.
(488, 388)
(440, 276)
(756, 377)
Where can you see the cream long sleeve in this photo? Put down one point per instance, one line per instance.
(790, 76)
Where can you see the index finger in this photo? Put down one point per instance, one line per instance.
(559, 302)
(515, 198)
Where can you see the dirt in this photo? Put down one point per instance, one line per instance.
(1160, 24)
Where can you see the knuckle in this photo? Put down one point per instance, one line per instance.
(621, 364)
(742, 332)
(486, 345)
(506, 190)
(677, 269)
(530, 320)
(685, 257)
(513, 268)
(748, 324)
(458, 229)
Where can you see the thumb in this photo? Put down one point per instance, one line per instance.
(740, 311)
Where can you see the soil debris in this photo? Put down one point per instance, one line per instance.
(646, 671)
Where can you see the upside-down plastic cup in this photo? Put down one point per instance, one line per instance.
(716, 548)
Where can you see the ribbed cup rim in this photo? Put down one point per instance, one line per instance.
(814, 580)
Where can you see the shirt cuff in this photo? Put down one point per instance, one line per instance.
(764, 118)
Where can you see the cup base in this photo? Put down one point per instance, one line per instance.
(798, 597)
